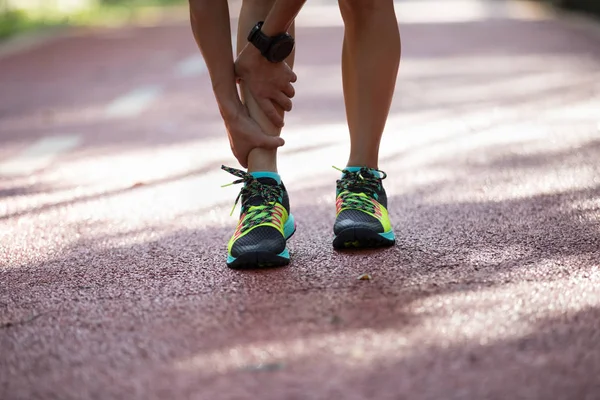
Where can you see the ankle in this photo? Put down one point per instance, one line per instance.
(355, 166)
(261, 160)
(266, 174)
(366, 162)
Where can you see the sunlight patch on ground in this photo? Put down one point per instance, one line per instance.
(174, 177)
(439, 138)
(585, 110)
(519, 88)
(591, 204)
(38, 155)
(493, 64)
(496, 256)
(65, 116)
(588, 210)
(449, 319)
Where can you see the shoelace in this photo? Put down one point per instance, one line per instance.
(352, 184)
(255, 214)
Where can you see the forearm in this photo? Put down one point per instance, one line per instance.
(281, 16)
(212, 32)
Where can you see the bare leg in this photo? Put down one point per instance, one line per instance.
(370, 62)
(253, 11)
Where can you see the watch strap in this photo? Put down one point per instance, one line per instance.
(261, 41)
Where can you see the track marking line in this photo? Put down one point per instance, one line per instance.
(191, 66)
(134, 102)
(195, 65)
(38, 155)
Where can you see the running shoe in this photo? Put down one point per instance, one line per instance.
(264, 225)
(362, 219)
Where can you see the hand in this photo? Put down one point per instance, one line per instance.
(267, 82)
(245, 135)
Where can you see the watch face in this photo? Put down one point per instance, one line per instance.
(281, 49)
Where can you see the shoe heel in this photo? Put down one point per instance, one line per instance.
(290, 227)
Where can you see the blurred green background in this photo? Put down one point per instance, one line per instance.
(20, 16)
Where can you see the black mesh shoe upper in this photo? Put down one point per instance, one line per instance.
(250, 198)
(354, 214)
(261, 238)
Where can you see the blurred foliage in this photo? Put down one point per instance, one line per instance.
(17, 21)
(589, 6)
(112, 12)
(592, 6)
(100, 12)
(141, 2)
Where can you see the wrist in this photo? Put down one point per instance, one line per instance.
(275, 48)
(230, 109)
(228, 98)
(252, 50)
(270, 30)
(248, 60)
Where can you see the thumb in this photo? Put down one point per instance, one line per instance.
(271, 142)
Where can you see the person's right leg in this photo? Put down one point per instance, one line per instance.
(265, 221)
(370, 61)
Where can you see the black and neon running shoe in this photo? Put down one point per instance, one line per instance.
(362, 219)
(265, 223)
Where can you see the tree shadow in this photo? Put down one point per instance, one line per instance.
(103, 195)
(166, 313)
(544, 363)
(479, 290)
(23, 190)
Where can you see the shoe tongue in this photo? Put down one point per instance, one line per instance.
(366, 173)
(257, 199)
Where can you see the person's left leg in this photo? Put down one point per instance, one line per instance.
(370, 62)
(265, 221)
(251, 12)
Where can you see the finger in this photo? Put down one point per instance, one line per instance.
(289, 90)
(271, 142)
(268, 108)
(284, 102)
(292, 75)
(243, 160)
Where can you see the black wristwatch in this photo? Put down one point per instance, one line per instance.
(273, 48)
